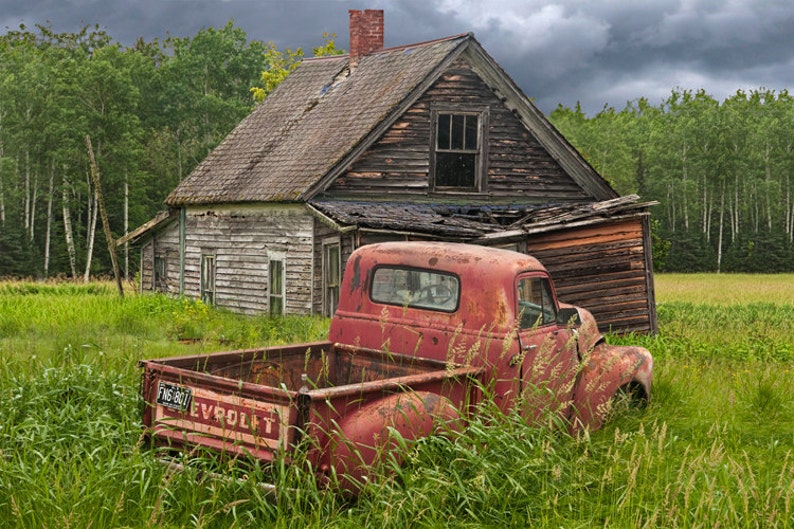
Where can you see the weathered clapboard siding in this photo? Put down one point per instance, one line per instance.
(321, 232)
(147, 267)
(398, 165)
(243, 240)
(164, 244)
(604, 269)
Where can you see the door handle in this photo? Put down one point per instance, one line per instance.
(517, 358)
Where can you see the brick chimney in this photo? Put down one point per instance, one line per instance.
(366, 33)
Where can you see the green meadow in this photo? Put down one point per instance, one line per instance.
(713, 448)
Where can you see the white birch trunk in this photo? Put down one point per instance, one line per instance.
(27, 192)
(67, 228)
(684, 202)
(35, 197)
(90, 236)
(768, 180)
(737, 206)
(722, 223)
(48, 233)
(126, 226)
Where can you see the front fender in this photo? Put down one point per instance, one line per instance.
(588, 335)
(605, 370)
(361, 438)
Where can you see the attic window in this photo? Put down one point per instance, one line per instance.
(458, 163)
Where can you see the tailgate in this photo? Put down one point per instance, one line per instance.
(187, 408)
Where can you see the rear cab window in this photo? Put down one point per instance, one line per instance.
(415, 288)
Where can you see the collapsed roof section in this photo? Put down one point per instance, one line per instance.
(478, 224)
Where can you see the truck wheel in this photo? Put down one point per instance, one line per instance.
(628, 397)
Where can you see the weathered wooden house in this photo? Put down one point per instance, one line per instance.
(424, 141)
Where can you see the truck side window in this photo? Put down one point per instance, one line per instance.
(535, 303)
(424, 289)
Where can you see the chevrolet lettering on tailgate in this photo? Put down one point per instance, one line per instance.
(226, 416)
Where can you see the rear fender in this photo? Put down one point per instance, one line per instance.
(605, 370)
(361, 438)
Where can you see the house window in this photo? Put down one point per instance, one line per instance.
(276, 286)
(457, 151)
(208, 279)
(159, 274)
(331, 277)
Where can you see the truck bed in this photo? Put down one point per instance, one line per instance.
(256, 401)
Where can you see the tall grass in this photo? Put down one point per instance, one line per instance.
(713, 448)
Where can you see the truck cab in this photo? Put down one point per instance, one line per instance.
(492, 308)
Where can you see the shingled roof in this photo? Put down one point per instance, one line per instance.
(314, 124)
(309, 123)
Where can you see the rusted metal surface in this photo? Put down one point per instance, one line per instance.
(484, 331)
(258, 401)
(419, 329)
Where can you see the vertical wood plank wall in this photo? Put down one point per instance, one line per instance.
(164, 244)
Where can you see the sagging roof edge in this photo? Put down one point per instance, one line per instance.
(162, 217)
(606, 211)
(328, 221)
(514, 235)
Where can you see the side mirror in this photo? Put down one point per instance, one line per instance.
(568, 316)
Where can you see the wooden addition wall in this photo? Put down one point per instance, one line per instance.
(163, 244)
(605, 268)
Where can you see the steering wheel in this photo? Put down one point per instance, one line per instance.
(442, 294)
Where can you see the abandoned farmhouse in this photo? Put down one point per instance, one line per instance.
(427, 141)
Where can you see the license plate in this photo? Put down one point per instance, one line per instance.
(174, 396)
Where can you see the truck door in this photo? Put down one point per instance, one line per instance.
(548, 357)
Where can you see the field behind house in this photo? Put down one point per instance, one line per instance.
(713, 448)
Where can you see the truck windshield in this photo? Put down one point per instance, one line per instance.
(423, 289)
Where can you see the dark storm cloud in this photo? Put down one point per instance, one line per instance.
(563, 51)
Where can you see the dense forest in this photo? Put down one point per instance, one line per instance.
(151, 111)
(719, 170)
(722, 173)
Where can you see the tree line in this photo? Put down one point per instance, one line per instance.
(721, 172)
(152, 112)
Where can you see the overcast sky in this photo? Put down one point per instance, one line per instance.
(595, 52)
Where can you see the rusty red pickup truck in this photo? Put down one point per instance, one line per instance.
(423, 330)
